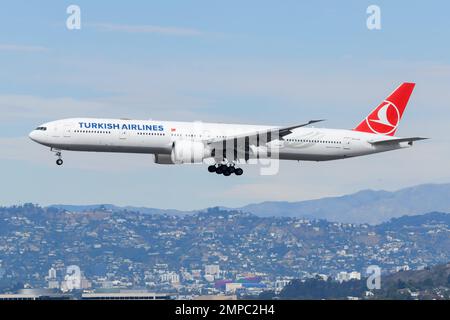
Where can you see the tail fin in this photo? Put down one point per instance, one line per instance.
(385, 118)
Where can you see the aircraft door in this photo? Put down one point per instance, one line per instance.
(346, 143)
(206, 135)
(67, 131)
(54, 130)
(123, 134)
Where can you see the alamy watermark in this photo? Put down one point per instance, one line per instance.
(73, 21)
(374, 277)
(73, 277)
(373, 21)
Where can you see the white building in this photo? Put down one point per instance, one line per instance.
(232, 287)
(280, 284)
(354, 275)
(347, 276)
(209, 277)
(212, 269)
(402, 268)
(52, 274)
(170, 277)
(52, 283)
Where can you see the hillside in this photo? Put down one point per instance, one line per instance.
(113, 242)
(366, 206)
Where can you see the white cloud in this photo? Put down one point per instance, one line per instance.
(153, 104)
(305, 86)
(213, 90)
(22, 48)
(18, 107)
(162, 30)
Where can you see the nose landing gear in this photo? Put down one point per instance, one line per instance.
(59, 161)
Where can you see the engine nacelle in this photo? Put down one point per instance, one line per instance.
(163, 159)
(189, 152)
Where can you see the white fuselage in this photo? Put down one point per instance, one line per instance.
(158, 137)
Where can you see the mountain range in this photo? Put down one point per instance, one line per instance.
(366, 206)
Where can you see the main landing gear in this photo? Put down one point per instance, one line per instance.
(59, 161)
(225, 169)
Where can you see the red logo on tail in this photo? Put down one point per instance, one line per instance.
(384, 119)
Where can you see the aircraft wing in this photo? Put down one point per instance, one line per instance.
(394, 141)
(275, 132)
(240, 143)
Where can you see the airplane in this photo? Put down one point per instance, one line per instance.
(228, 145)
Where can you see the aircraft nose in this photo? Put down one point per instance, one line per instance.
(33, 135)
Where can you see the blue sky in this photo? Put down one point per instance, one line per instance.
(262, 62)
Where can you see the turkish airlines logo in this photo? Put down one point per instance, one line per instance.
(385, 119)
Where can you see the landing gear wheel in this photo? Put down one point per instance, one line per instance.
(227, 173)
(212, 168)
(220, 169)
(238, 171)
(58, 153)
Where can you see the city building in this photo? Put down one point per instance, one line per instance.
(212, 269)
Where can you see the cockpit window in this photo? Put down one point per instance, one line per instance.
(41, 128)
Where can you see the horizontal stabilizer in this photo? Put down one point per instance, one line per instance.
(394, 141)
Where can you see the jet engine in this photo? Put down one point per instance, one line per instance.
(189, 152)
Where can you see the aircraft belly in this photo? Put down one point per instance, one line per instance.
(110, 148)
(310, 154)
(307, 156)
